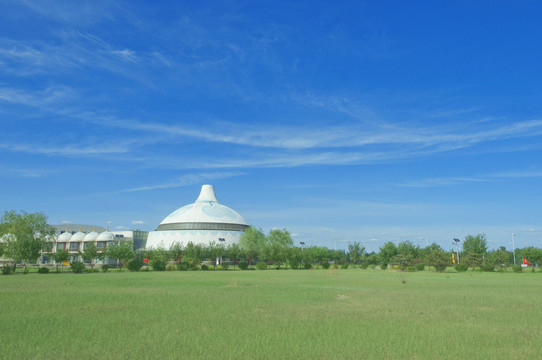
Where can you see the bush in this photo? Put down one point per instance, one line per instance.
(261, 266)
(440, 267)
(158, 265)
(243, 265)
(345, 265)
(105, 268)
(325, 264)
(7, 269)
(308, 266)
(364, 265)
(224, 266)
(420, 266)
(135, 265)
(517, 268)
(204, 267)
(411, 268)
(372, 266)
(43, 270)
(170, 267)
(384, 266)
(26, 270)
(488, 267)
(183, 266)
(77, 267)
(461, 267)
(294, 264)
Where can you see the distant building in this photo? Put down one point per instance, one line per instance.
(202, 222)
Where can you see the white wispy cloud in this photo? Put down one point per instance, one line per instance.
(447, 181)
(137, 222)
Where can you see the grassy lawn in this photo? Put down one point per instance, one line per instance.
(335, 314)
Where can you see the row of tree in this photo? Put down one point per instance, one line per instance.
(26, 236)
(277, 248)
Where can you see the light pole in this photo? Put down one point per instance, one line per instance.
(514, 247)
(457, 244)
(302, 247)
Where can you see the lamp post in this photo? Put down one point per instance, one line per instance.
(514, 247)
(302, 247)
(457, 244)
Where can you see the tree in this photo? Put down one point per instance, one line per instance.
(279, 242)
(60, 256)
(356, 251)
(176, 252)
(532, 255)
(252, 241)
(234, 252)
(500, 257)
(90, 253)
(387, 252)
(193, 254)
(215, 251)
(407, 255)
(28, 235)
(474, 248)
(439, 259)
(123, 251)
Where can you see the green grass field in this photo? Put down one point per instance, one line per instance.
(319, 314)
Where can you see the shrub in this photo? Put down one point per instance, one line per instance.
(372, 266)
(517, 268)
(364, 265)
(6, 269)
(384, 266)
(224, 266)
(440, 267)
(461, 267)
(345, 265)
(170, 267)
(77, 267)
(325, 264)
(420, 266)
(411, 268)
(308, 266)
(135, 265)
(294, 264)
(158, 265)
(243, 265)
(26, 270)
(335, 266)
(487, 266)
(105, 268)
(183, 266)
(204, 267)
(261, 266)
(43, 270)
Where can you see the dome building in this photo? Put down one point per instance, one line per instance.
(202, 222)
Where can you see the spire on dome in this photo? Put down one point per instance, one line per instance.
(207, 194)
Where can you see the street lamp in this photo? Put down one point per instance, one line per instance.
(514, 247)
(457, 244)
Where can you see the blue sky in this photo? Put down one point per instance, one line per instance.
(366, 121)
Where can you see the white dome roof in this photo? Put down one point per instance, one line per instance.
(66, 236)
(91, 236)
(106, 236)
(78, 236)
(206, 210)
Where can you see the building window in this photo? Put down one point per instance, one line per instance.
(74, 246)
(101, 245)
(119, 235)
(60, 246)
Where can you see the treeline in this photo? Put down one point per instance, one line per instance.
(277, 249)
